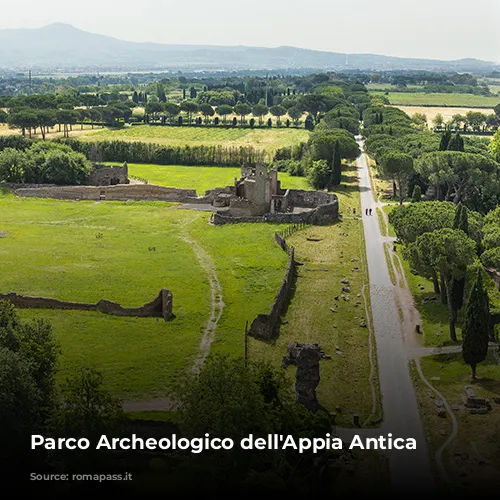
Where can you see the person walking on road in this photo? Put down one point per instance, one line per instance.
(366, 211)
(370, 211)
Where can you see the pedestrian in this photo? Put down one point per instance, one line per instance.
(370, 211)
(366, 211)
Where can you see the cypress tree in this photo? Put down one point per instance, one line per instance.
(458, 285)
(135, 97)
(337, 165)
(417, 194)
(445, 140)
(456, 143)
(478, 328)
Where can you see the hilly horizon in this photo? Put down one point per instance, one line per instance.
(62, 47)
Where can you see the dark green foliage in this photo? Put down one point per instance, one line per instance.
(445, 140)
(309, 123)
(417, 194)
(456, 143)
(319, 174)
(337, 165)
(478, 325)
(43, 163)
(229, 399)
(142, 152)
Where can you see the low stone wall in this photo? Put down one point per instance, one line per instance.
(322, 215)
(264, 324)
(309, 199)
(120, 192)
(160, 307)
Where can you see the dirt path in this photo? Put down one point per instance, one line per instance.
(217, 302)
(216, 310)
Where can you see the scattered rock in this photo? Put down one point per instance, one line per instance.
(345, 289)
(333, 309)
(345, 281)
(336, 298)
(428, 300)
(337, 348)
(359, 295)
(355, 260)
(358, 302)
(363, 324)
(347, 299)
(441, 412)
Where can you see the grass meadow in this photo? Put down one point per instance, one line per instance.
(201, 178)
(260, 138)
(51, 248)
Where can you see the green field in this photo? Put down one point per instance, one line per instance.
(51, 248)
(457, 100)
(201, 178)
(269, 139)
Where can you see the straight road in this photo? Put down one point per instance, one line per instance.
(409, 469)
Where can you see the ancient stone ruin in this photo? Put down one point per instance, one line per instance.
(306, 358)
(160, 307)
(103, 175)
(257, 197)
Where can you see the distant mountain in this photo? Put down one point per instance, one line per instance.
(65, 48)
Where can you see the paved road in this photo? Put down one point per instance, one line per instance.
(409, 469)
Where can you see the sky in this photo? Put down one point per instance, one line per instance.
(430, 29)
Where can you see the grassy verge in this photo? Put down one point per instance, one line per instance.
(202, 178)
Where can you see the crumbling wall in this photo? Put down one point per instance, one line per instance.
(135, 192)
(264, 324)
(309, 199)
(104, 175)
(306, 358)
(161, 306)
(322, 215)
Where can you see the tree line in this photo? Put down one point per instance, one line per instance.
(447, 166)
(449, 244)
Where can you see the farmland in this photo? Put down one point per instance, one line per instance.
(201, 178)
(441, 100)
(446, 111)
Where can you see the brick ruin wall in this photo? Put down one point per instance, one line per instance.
(104, 175)
(322, 215)
(160, 307)
(125, 192)
(309, 199)
(263, 325)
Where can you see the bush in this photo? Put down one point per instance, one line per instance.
(319, 174)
